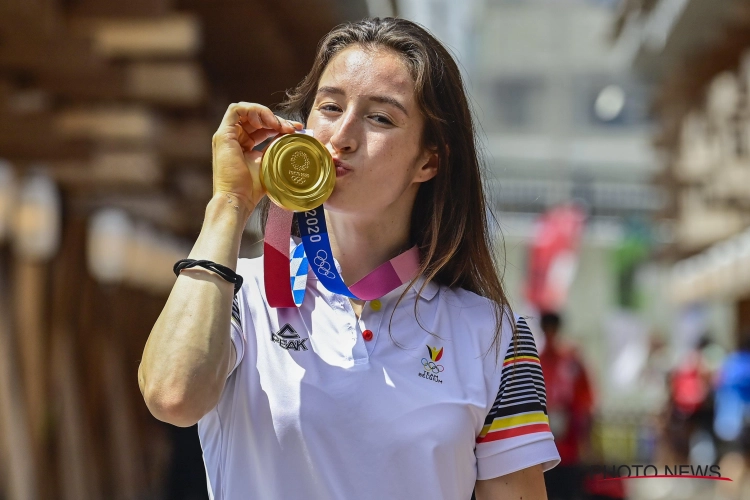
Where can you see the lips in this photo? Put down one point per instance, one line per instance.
(342, 168)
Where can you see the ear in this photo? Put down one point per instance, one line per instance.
(429, 168)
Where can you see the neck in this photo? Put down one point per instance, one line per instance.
(361, 243)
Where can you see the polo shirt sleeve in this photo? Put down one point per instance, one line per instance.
(516, 433)
(236, 333)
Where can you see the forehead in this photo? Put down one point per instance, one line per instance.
(357, 70)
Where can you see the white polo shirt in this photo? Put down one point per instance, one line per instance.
(312, 410)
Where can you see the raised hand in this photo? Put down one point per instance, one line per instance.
(236, 165)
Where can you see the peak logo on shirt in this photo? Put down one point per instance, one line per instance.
(430, 366)
(288, 338)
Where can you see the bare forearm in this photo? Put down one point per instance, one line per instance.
(188, 353)
(525, 484)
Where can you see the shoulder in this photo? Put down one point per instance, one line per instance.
(479, 315)
(472, 310)
(464, 299)
(476, 309)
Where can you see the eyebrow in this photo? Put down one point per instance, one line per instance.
(377, 98)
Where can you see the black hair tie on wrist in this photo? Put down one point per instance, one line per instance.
(222, 271)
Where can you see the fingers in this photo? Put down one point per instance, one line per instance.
(283, 125)
(273, 122)
(242, 136)
(231, 116)
(256, 117)
(249, 138)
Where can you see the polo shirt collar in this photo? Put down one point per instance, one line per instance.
(430, 290)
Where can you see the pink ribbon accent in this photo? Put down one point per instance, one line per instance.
(383, 279)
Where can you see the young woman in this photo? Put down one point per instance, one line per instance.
(418, 394)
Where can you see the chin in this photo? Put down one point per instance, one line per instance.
(335, 202)
(341, 203)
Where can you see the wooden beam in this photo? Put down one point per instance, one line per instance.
(45, 14)
(56, 59)
(110, 169)
(75, 468)
(35, 138)
(27, 48)
(128, 472)
(78, 467)
(24, 152)
(126, 167)
(170, 83)
(117, 8)
(174, 35)
(186, 140)
(157, 208)
(31, 101)
(133, 124)
(57, 72)
(20, 471)
(71, 134)
(30, 302)
(100, 83)
(30, 281)
(6, 90)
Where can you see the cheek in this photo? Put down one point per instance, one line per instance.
(320, 127)
(394, 154)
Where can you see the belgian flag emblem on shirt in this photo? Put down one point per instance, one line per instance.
(435, 353)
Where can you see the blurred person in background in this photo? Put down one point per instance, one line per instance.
(348, 417)
(732, 400)
(690, 408)
(732, 420)
(570, 404)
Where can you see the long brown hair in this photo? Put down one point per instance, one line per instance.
(449, 221)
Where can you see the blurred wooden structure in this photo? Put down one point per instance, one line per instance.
(117, 101)
(699, 53)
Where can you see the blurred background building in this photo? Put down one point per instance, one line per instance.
(616, 135)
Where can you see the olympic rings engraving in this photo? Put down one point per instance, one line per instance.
(430, 366)
(324, 267)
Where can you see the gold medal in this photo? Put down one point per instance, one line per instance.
(297, 172)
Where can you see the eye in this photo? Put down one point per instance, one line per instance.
(382, 119)
(329, 107)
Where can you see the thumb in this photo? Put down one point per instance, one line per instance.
(253, 161)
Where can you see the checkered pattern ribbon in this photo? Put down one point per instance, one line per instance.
(298, 267)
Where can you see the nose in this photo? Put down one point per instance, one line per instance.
(344, 138)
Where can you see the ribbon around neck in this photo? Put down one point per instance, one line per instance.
(283, 289)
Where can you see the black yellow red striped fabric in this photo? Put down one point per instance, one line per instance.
(520, 407)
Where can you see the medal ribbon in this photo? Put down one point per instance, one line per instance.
(317, 249)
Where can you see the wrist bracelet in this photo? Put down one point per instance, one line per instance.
(222, 271)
